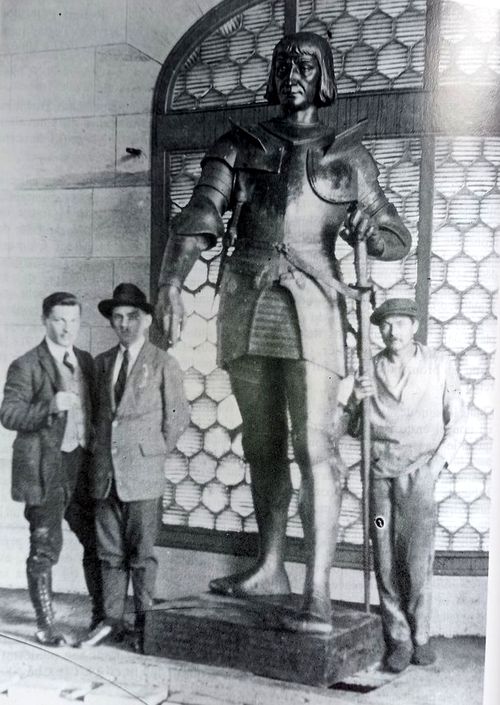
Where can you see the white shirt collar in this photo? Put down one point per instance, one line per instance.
(58, 351)
(133, 351)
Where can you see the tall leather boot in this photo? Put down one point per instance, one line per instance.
(40, 589)
(93, 581)
(143, 581)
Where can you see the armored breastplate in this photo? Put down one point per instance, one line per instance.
(295, 186)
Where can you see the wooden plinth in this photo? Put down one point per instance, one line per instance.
(245, 634)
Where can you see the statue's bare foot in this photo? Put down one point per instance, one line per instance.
(259, 580)
(314, 617)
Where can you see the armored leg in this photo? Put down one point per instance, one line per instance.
(312, 397)
(259, 391)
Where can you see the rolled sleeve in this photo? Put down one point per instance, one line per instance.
(454, 415)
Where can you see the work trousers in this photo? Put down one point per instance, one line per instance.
(67, 497)
(403, 519)
(126, 535)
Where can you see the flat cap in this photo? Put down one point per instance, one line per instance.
(394, 307)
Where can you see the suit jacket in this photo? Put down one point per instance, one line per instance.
(132, 442)
(32, 382)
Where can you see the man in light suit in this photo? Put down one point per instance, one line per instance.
(47, 400)
(141, 412)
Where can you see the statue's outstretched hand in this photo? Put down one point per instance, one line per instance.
(359, 226)
(170, 312)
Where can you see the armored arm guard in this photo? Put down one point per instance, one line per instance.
(395, 239)
(200, 224)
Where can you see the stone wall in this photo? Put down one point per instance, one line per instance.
(76, 86)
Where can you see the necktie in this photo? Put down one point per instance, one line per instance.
(121, 380)
(67, 363)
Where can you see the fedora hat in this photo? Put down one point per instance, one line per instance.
(125, 295)
(394, 307)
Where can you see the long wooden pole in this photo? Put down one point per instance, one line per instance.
(364, 354)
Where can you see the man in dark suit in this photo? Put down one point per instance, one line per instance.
(141, 412)
(47, 400)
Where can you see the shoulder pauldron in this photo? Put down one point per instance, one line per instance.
(332, 170)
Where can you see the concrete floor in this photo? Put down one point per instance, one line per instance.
(456, 678)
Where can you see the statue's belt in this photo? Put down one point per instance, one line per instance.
(271, 263)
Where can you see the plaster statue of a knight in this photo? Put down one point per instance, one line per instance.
(290, 183)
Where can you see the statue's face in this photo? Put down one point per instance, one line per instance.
(297, 79)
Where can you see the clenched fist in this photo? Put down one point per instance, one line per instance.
(359, 226)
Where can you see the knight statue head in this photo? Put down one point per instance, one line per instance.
(305, 43)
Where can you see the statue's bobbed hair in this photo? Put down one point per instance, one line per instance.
(314, 45)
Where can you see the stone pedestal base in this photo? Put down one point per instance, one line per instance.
(245, 634)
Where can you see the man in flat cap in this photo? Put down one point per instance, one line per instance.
(417, 423)
(47, 400)
(141, 411)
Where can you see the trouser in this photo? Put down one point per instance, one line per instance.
(67, 497)
(265, 389)
(126, 535)
(404, 552)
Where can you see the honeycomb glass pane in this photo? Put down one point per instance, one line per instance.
(175, 516)
(231, 470)
(218, 385)
(470, 43)
(479, 512)
(190, 442)
(228, 413)
(215, 496)
(452, 513)
(484, 395)
(188, 494)
(228, 521)
(466, 539)
(445, 486)
(203, 412)
(458, 335)
(217, 441)
(486, 333)
(176, 467)
(202, 468)
(470, 484)
(241, 500)
(231, 65)
(482, 454)
(194, 384)
(202, 518)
